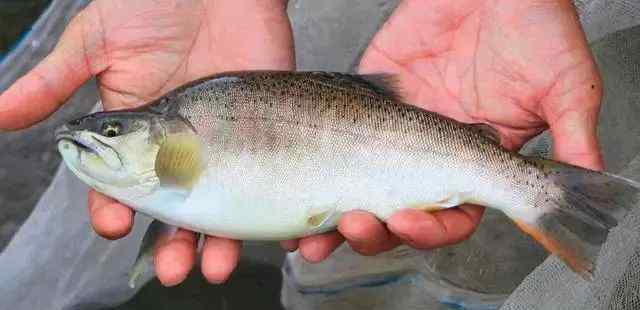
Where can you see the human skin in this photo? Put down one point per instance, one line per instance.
(520, 66)
(140, 50)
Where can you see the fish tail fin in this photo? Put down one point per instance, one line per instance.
(573, 217)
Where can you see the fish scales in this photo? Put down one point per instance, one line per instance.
(267, 155)
(252, 108)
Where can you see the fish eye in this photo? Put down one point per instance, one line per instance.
(111, 129)
(75, 122)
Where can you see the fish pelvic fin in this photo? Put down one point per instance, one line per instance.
(574, 220)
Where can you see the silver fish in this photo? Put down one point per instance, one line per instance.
(279, 155)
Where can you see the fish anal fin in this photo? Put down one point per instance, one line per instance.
(573, 259)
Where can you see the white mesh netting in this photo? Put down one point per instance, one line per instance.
(615, 40)
(612, 29)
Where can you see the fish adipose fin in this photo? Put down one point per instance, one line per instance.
(575, 220)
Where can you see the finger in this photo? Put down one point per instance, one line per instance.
(572, 108)
(427, 231)
(109, 218)
(219, 258)
(317, 248)
(42, 90)
(459, 223)
(289, 245)
(275, 42)
(174, 256)
(575, 139)
(365, 233)
(474, 212)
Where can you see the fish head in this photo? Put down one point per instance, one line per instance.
(113, 152)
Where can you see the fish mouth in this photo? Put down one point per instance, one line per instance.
(68, 137)
(86, 142)
(63, 134)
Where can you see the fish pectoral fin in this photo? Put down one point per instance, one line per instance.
(180, 161)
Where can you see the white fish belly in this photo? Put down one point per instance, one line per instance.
(258, 197)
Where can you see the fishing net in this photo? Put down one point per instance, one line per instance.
(436, 280)
(617, 279)
(55, 261)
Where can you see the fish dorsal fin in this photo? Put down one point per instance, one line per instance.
(487, 131)
(164, 105)
(380, 83)
(384, 84)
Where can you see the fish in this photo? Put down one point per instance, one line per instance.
(276, 155)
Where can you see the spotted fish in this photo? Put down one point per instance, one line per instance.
(277, 155)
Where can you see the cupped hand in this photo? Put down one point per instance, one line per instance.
(519, 66)
(139, 50)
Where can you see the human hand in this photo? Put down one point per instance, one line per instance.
(139, 50)
(519, 66)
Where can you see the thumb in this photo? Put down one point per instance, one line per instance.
(573, 122)
(46, 87)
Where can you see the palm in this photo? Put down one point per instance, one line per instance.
(151, 47)
(480, 64)
(139, 50)
(519, 66)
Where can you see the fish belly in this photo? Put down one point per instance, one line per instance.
(274, 197)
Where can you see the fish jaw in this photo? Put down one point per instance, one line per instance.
(90, 143)
(72, 157)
